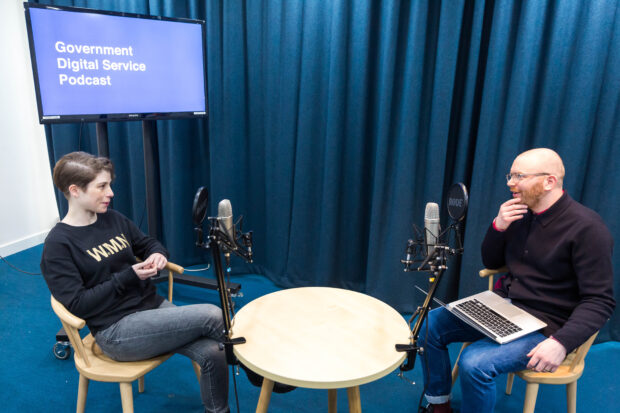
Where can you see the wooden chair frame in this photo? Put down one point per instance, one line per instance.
(92, 364)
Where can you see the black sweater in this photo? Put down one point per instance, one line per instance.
(88, 269)
(560, 268)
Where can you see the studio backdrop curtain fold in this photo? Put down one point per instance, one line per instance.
(341, 111)
(332, 124)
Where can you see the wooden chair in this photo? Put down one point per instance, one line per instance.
(92, 364)
(567, 373)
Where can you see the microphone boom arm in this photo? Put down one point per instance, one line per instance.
(438, 266)
(217, 239)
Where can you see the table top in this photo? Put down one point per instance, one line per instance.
(320, 337)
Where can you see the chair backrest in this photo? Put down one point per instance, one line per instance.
(72, 325)
(172, 268)
(581, 351)
(489, 273)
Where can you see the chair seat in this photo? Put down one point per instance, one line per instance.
(562, 375)
(103, 368)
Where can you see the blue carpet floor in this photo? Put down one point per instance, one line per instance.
(33, 380)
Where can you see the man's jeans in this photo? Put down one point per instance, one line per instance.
(479, 364)
(192, 330)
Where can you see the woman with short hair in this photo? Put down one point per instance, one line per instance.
(90, 266)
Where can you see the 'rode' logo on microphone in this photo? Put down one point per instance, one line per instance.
(457, 202)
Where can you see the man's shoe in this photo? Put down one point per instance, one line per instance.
(429, 408)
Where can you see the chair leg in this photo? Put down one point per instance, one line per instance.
(455, 369)
(126, 397)
(196, 370)
(455, 372)
(509, 381)
(531, 391)
(571, 397)
(82, 391)
(141, 385)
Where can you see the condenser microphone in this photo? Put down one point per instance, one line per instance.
(431, 226)
(225, 219)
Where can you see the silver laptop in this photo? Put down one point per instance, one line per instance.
(495, 316)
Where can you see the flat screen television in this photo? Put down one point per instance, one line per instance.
(94, 65)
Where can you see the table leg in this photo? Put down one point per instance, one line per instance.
(355, 404)
(265, 396)
(332, 400)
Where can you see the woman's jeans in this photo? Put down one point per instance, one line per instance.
(192, 330)
(479, 363)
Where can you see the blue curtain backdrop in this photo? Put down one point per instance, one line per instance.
(333, 123)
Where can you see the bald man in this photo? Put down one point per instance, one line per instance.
(558, 253)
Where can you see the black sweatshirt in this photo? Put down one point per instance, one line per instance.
(560, 268)
(88, 269)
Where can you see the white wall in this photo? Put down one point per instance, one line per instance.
(27, 207)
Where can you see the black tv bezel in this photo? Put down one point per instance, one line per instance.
(111, 117)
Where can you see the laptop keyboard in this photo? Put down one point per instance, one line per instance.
(488, 318)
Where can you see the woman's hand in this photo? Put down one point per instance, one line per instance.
(144, 270)
(157, 260)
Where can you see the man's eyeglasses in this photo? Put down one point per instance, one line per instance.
(519, 177)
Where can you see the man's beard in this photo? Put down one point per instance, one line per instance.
(532, 196)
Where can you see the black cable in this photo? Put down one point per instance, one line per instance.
(235, 387)
(18, 269)
(231, 303)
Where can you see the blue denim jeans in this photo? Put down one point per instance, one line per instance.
(192, 330)
(479, 363)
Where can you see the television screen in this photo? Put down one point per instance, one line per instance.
(92, 65)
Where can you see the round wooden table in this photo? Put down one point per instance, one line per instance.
(320, 338)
